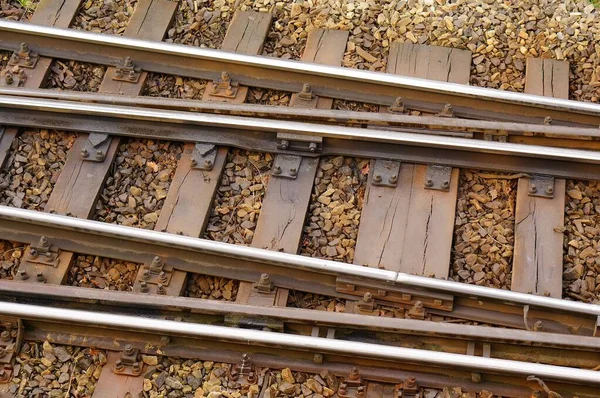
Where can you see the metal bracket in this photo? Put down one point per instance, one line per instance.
(352, 386)
(96, 147)
(127, 72)
(305, 98)
(12, 78)
(24, 58)
(243, 374)
(129, 364)
(263, 293)
(286, 166)
(224, 87)
(366, 305)
(438, 177)
(541, 186)
(11, 338)
(486, 352)
(397, 106)
(417, 311)
(549, 393)
(537, 326)
(204, 156)
(495, 137)
(157, 273)
(385, 173)
(447, 111)
(408, 389)
(43, 253)
(299, 142)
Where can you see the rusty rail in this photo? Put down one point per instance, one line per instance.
(328, 81)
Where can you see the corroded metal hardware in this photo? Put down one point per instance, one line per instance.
(204, 156)
(537, 326)
(438, 177)
(244, 373)
(447, 111)
(24, 58)
(129, 364)
(254, 322)
(366, 303)
(298, 142)
(306, 98)
(417, 311)
(43, 253)
(11, 338)
(397, 106)
(495, 137)
(541, 186)
(264, 284)
(385, 173)
(286, 166)
(156, 273)
(547, 391)
(12, 77)
(127, 72)
(328, 333)
(408, 389)
(264, 292)
(486, 352)
(547, 121)
(224, 87)
(352, 386)
(96, 147)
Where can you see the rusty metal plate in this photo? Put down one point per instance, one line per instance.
(204, 156)
(286, 166)
(438, 177)
(541, 186)
(385, 173)
(96, 147)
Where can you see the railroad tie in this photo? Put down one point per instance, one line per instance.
(539, 218)
(406, 226)
(286, 200)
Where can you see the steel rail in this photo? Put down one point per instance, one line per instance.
(336, 82)
(550, 348)
(304, 129)
(303, 343)
(23, 225)
(418, 124)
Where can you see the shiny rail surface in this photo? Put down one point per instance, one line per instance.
(294, 342)
(289, 75)
(286, 270)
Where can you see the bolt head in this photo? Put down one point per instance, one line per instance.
(532, 188)
(293, 171)
(84, 153)
(23, 274)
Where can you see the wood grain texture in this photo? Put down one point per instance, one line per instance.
(537, 261)
(9, 134)
(547, 77)
(409, 228)
(56, 13)
(190, 197)
(246, 35)
(286, 201)
(430, 62)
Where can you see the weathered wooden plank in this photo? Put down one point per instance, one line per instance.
(79, 183)
(191, 193)
(56, 13)
(409, 228)
(430, 62)
(286, 201)
(6, 140)
(537, 261)
(150, 21)
(246, 34)
(547, 77)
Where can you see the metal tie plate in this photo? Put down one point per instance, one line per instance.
(96, 147)
(286, 166)
(385, 173)
(541, 186)
(438, 177)
(204, 156)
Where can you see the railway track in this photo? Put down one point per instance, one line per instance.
(447, 181)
